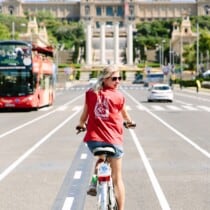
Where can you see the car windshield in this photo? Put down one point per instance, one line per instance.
(161, 88)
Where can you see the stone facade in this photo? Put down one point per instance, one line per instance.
(182, 35)
(123, 13)
(36, 34)
(108, 10)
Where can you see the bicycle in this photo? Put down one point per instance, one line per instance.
(106, 199)
(105, 189)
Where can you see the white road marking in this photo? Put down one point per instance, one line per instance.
(159, 193)
(77, 174)
(174, 108)
(37, 119)
(68, 203)
(83, 156)
(194, 96)
(189, 107)
(186, 107)
(62, 108)
(204, 108)
(189, 141)
(17, 162)
(157, 108)
(141, 107)
(44, 109)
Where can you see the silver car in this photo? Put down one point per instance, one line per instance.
(160, 92)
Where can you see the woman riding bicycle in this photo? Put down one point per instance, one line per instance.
(104, 113)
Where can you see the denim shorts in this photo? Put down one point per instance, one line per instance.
(118, 148)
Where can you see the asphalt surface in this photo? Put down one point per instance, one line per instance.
(44, 164)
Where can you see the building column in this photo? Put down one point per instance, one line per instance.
(116, 43)
(103, 43)
(88, 44)
(130, 44)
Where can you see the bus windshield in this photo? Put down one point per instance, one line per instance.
(16, 82)
(16, 77)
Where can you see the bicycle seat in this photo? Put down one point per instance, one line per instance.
(106, 150)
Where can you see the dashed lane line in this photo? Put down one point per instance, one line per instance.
(77, 175)
(68, 203)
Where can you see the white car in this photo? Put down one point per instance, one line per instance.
(160, 92)
(206, 74)
(92, 81)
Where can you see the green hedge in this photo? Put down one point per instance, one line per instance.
(187, 83)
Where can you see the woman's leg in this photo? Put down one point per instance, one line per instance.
(116, 164)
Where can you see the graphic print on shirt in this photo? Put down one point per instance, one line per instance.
(101, 109)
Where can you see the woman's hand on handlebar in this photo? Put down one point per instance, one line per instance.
(129, 124)
(80, 128)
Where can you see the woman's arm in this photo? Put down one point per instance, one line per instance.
(84, 116)
(125, 115)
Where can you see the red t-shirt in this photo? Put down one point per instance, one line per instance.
(105, 120)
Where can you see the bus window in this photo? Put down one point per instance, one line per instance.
(153, 78)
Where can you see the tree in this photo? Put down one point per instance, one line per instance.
(72, 35)
(5, 33)
(189, 56)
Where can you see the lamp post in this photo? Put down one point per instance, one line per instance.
(131, 18)
(170, 53)
(159, 49)
(181, 52)
(88, 55)
(197, 51)
(162, 46)
(13, 30)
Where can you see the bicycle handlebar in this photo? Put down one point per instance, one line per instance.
(129, 124)
(125, 124)
(80, 129)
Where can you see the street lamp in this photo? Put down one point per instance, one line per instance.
(159, 49)
(131, 11)
(163, 60)
(197, 51)
(181, 59)
(13, 30)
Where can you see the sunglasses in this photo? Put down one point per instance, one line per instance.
(116, 78)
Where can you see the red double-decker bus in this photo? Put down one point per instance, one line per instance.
(27, 75)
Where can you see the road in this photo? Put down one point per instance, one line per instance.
(44, 165)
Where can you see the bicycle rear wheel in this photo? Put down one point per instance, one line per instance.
(102, 196)
(112, 202)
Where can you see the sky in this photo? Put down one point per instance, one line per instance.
(190, 1)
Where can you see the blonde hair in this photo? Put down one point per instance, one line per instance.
(107, 72)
